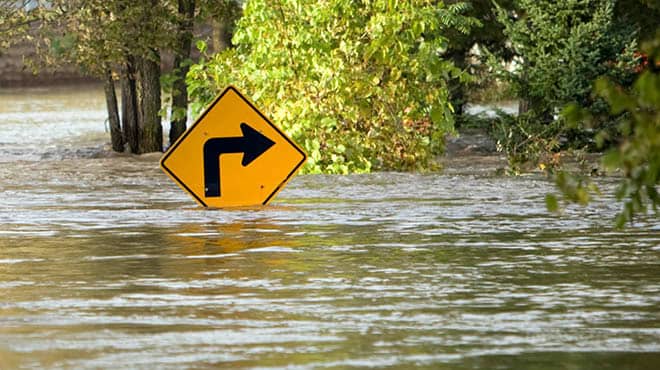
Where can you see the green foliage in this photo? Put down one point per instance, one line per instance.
(98, 34)
(526, 141)
(637, 155)
(16, 18)
(644, 15)
(360, 84)
(561, 48)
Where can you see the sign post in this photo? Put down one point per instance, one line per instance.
(232, 155)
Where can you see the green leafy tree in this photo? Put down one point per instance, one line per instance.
(123, 40)
(361, 85)
(636, 157)
(561, 47)
(77, 32)
(110, 38)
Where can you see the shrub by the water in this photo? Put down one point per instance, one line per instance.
(360, 85)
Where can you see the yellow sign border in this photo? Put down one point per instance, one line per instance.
(172, 148)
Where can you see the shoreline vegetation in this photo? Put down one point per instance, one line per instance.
(382, 85)
(470, 151)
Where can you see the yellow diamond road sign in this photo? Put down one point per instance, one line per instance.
(232, 155)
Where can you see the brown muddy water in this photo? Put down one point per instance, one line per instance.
(105, 263)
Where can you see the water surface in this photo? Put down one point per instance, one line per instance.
(105, 263)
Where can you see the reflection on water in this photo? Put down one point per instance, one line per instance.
(104, 263)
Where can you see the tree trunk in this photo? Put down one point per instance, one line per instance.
(129, 107)
(149, 124)
(523, 105)
(524, 101)
(113, 113)
(457, 88)
(179, 112)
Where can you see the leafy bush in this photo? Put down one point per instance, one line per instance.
(637, 155)
(561, 48)
(526, 141)
(360, 84)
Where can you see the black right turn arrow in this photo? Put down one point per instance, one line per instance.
(252, 144)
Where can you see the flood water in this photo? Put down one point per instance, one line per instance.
(105, 263)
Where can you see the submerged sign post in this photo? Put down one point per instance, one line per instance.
(232, 155)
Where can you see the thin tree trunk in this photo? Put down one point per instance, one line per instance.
(523, 105)
(524, 102)
(149, 123)
(456, 87)
(179, 112)
(113, 113)
(129, 107)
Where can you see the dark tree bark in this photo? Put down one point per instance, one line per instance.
(113, 113)
(129, 106)
(149, 123)
(179, 112)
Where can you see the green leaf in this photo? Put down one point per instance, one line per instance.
(201, 46)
